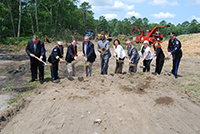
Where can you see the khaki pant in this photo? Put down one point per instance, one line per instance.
(88, 70)
(70, 69)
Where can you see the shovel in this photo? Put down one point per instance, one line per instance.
(131, 65)
(166, 58)
(142, 66)
(41, 61)
(153, 64)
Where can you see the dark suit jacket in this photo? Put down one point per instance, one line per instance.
(90, 51)
(56, 54)
(160, 55)
(133, 54)
(70, 53)
(175, 48)
(40, 50)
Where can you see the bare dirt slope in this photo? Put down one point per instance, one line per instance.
(140, 103)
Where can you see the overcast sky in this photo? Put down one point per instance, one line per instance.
(174, 11)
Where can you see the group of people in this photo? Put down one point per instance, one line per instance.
(35, 48)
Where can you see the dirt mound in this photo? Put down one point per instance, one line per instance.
(164, 100)
(7, 115)
(119, 103)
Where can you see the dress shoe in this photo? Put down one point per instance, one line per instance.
(41, 82)
(32, 80)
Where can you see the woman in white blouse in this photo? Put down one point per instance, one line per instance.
(120, 56)
(146, 56)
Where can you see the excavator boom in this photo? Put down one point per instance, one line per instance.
(156, 28)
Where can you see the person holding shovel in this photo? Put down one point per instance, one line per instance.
(104, 50)
(146, 56)
(71, 57)
(89, 55)
(54, 58)
(35, 49)
(133, 56)
(120, 56)
(159, 57)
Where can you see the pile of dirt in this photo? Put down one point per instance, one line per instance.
(164, 101)
(73, 106)
(11, 112)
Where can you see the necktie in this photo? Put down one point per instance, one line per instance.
(34, 48)
(75, 52)
(102, 44)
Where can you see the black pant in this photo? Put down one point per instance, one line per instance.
(176, 62)
(54, 71)
(159, 66)
(119, 65)
(146, 63)
(34, 65)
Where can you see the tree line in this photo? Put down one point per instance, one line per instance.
(63, 19)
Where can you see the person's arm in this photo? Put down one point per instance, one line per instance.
(27, 49)
(168, 48)
(99, 48)
(141, 51)
(76, 50)
(62, 52)
(133, 53)
(107, 46)
(42, 50)
(83, 49)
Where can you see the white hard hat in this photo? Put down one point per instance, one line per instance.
(146, 42)
(60, 42)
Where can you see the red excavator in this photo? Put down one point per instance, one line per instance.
(149, 35)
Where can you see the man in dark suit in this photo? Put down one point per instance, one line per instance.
(54, 58)
(133, 56)
(71, 56)
(34, 48)
(89, 55)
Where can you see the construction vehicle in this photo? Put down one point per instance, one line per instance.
(107, 36)
(149, 35)
(90, 34)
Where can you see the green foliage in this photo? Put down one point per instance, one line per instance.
(58, 19)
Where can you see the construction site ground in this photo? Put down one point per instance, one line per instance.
(140, 103)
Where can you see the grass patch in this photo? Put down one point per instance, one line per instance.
(12, 100)
(131, 81)
(181, 85)
(192, 87)
(8, 88)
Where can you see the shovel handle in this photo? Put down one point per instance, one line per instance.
(41, 61)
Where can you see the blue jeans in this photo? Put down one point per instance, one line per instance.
(104, 64)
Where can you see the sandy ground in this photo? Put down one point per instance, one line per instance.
(140, 103)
